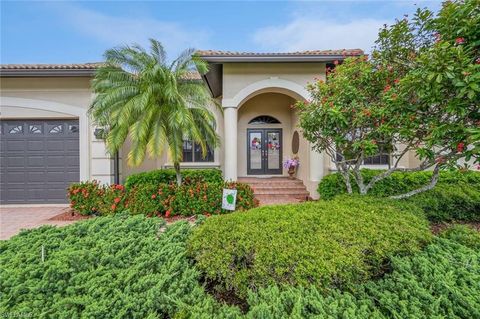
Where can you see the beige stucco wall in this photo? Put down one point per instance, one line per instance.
(58, 97)
(237, 76)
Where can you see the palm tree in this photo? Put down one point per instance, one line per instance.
(140, 95)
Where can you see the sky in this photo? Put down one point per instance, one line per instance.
(79, 32)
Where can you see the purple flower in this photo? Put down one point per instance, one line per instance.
(291, 162)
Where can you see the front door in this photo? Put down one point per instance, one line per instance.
(264, 151)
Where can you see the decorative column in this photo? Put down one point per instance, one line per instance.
(230, 117)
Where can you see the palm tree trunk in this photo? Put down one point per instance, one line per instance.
(176, 165)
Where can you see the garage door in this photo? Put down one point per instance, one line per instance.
(39, 159)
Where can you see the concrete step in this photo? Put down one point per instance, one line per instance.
(277, 190)
(281, 191)
(279, 199)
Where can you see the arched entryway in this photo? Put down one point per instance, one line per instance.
(264, 131)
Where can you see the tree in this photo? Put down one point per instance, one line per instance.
(140, 95)
(419, 93)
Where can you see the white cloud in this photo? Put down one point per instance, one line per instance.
(318, 34)
(118, 30)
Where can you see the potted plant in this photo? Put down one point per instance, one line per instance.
(291, 164)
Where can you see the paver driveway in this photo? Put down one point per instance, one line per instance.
(13, 219)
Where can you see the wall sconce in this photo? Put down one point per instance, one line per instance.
(100, 133)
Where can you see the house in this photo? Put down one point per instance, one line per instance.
(48, 140)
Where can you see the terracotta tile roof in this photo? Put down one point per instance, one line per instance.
(76, 66)
(193, 75)
(345, 52)
(25, 69)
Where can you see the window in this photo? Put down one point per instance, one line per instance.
(192, 152)
(264, 119)
(381, 159)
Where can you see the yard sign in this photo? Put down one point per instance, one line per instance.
(229, 199)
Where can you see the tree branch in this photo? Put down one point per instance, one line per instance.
(433, 182)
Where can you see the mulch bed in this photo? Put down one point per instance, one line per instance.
(174, 219)
(439, 227)
(69, 215)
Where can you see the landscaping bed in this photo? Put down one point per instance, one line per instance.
(142, 265)
(69, 215)
(156, 194)
(455, 197)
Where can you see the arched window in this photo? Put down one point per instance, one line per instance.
(264, 119)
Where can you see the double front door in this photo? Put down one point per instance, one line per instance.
(264, 151)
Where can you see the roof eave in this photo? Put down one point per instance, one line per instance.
(274, 58)
(47, 73)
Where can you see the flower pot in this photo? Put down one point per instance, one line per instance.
(291, 172)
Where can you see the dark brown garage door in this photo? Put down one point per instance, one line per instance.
(39, 159)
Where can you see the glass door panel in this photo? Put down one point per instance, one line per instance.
(274, 153)
(264, 151)
(256, 151)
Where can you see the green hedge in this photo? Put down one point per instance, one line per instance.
(327, 244)
(105, 267)
(191, 198)
(447, 202)
(397, 183)
(166, 176)
(443, 281)
(188, 199)
(455, 197)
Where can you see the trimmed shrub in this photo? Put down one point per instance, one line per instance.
(440, 282)
(90, 197)
(105, 267)
(191, 198)
(167, 176)
(464, 235)
(455, 197)
(326, 244)
(397, 183)
(150, 199)
(448, 202)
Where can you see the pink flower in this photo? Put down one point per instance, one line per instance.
(460, 40)
(117, 200)
(460, 147)
(335, 62)
(387, 88)
(154, 196)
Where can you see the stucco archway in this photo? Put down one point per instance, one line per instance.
(61, 108)
(274, 85)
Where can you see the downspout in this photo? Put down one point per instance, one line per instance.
(116, 168)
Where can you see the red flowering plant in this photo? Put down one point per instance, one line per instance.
(86, 197)
(114, 199)
(150, 199)
(420, 94)
(201, 198)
